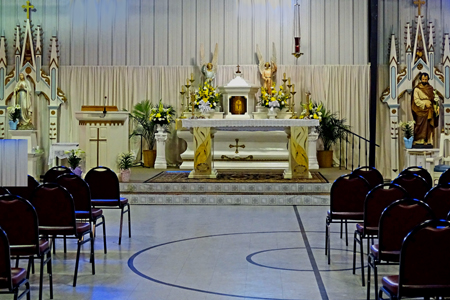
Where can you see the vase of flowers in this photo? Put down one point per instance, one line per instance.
(408, 133)
(74, 159)
(274, 100)
(207, 99)
(125, 162)
(161, 115)
(14, 115)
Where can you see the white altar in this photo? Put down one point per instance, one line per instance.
(204, 131)
(103, 137)
(34, 154)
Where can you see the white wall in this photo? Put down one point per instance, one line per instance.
(169, 32)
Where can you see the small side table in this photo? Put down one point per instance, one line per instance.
(418, 157)
(57, 150)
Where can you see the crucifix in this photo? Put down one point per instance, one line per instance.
(98, 140)
(237, 146)
(238, 71)
(27, 8)
(419, 3)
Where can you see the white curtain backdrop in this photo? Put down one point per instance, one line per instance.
(343, 89)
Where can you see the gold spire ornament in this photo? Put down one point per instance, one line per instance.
(419, 4)
(28, 7)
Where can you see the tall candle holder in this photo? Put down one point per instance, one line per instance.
(293, 103)
(182, 104)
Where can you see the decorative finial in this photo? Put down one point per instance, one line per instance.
(419, 3)
(27, 8)
(238, 71)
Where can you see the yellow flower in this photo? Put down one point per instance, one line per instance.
(316, 116)
(158, 115)
(273, 99)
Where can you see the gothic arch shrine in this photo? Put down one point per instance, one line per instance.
(419, 58)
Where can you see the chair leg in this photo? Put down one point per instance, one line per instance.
(342, 224)
(27, 286)
(104, 234)
(54, 244)
(375, 280)
(355, 240)
(41, 277)
(65, 245)
(361, 251)
(129, 220)
(326, 236)
(328, 242)
(369, 268)
(346, 233)
(76, 263)
(121, 225)
(50, 273)
(92, 253)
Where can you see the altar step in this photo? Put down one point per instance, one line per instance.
(226, 193)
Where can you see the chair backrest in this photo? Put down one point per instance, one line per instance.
(5, 262)
(348, 193)
(4, 190)
(79, 190)
(24, 191)
(54, 206)
(445, 177)
(397, 220)
(372, 175)
(438, 198)
(20, 221)
(421, 172)
(424, 261)
(103, 183)
(378, 199)
(53, 173)
(414, 184)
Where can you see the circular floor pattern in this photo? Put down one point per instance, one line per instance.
(249, 258)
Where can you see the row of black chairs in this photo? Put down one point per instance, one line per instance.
(53, 208)
(362, 196)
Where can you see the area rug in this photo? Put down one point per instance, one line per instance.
(235, 176)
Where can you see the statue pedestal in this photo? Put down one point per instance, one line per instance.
(34, 159)
(161, 137)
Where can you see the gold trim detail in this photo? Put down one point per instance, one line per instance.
(401, 75)
(225, 158)
(394, 111)
(385, 93)
(439, 74)
(45, 77)
(8, 78)
(61, 94)
(100, 122)
(420, 66)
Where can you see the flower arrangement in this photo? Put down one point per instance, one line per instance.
(206, 98)
(75, 156)
(312, 110)
(14, 113)
(407, 128)
(278, 99)
(125, 160)
(162, 114)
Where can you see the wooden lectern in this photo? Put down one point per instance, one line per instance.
(103, 135)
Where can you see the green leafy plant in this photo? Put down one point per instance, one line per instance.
(407, 128)
(14, 113)
(125, 160)
(331, 129)
(75, 156)
(144, 125)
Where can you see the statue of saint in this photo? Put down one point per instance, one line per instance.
(209, 69)
(23, 98)
(425, 110)
(267, 69)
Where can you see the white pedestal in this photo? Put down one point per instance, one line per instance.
(34, 159)
(312, 149)
(418, 157)
(161, 137)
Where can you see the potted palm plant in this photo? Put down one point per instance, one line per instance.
(125, 162)
(331, 130)
(146, 128)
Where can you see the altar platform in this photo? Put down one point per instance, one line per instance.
(153, 187)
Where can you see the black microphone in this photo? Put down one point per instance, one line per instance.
(104, 109)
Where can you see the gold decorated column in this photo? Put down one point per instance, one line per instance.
(203, 154)
(298, 156)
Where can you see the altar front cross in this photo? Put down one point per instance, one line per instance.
(237, 146)
(98, 140)
(419, 3)
(27, 8)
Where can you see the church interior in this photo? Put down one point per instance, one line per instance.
(196, 147)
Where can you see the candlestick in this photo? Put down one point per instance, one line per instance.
(187, 82)
(182, 88)
(289, 81)
(284, 75)
(192, 76)
(193, 104)
(293, 87)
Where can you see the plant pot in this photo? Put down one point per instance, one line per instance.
(149, 158)
(13, 125)
(125, 175)
(77, 171)
(325, 158)
(408, 142)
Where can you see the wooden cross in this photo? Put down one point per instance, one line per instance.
(28, 7)
(238, 71)
(98, 140)
(237, 146)
(419, 4)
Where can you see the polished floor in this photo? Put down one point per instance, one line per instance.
(212, 253)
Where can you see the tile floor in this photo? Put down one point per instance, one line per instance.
(212, 253)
